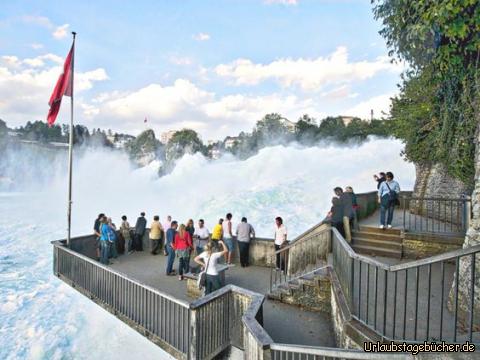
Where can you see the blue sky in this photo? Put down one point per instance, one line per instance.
(215, 66)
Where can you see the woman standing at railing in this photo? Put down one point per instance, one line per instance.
(209, 262)
(183, 247)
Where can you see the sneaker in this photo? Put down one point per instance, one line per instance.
(389, 226)
(381, 227)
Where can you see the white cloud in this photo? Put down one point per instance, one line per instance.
(379, 104)
(58, 32)
(201, 37)
(61, 31)
(308, 74)
(36, 46)
(183, 104)
(38, 20)
(283, 2)
(180, 60)
(26, 85)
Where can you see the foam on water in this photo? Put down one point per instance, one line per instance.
(42, 318)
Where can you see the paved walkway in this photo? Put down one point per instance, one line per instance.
(284, 323)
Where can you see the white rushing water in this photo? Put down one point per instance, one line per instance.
(41, 318)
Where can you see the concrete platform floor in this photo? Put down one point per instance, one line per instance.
(284, 323)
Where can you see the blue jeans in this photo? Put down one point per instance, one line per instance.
(212, 283)
(113, 249)
(386, 208)
(170, 259)
(183, 265)
(104, 252)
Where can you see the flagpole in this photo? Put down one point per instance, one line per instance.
(70, 147)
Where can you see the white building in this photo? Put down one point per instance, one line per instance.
(290, 125)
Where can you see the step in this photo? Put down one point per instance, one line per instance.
(377, 230)
(377, 236)
(375, 251)
(380, 244)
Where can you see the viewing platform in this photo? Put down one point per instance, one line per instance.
(325, 304)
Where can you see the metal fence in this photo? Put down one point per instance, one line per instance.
(303, 255)
(415, 301)
(161, 315)
(436, 215)
(294, 352)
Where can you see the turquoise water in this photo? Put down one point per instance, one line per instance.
(41, 318)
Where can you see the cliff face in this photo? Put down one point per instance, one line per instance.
(471, 239)
(432, 180)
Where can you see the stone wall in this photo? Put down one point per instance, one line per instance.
(432, 180)
(472, 238)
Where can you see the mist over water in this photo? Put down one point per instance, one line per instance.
(41, 318)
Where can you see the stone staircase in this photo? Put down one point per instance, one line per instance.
(310, 291)
(377, 242)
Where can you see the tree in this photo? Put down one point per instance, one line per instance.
(270, 130)
(306, 129)
(183, 142)
(440, 40)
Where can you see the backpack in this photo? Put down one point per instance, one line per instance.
(392, 196)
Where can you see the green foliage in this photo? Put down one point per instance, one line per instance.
(436, 113)
(183, 142)
(144, 144)
(40, 131)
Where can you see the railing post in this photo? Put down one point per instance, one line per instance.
(193, 336)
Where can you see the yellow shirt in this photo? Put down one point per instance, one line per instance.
(217, 232)
(156, 230)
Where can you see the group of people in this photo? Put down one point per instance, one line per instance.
(179, 241)
(343, 213)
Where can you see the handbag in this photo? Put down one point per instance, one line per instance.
(392, 196)
(202, 277)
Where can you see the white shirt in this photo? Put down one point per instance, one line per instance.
(280, 234)
(167, 225)
(202, 233)
(212, 268)
(226, 233)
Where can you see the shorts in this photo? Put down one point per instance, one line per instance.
(229, 243)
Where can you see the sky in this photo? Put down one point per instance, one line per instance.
(213, 66)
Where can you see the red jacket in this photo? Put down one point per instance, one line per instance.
(184, 243)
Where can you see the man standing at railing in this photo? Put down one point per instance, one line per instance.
(140, 228)
(388, 198)
(280, 242)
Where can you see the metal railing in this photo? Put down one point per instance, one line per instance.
(415, 301)
(436, 215)
(158, 314)
(295, 352)
(198, 330)
(300, 257)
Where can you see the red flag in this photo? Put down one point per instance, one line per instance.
(63, 87)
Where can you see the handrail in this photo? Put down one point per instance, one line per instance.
(466, 198)
(59, 244)
(410, 264)
(337, 353)
(300, 240)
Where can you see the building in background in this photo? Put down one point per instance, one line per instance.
(230, 141)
